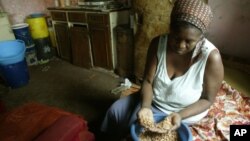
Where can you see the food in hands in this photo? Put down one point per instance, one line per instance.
(159, 131)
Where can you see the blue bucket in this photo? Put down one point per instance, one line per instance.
(21, 31)
(15, 75)
(11, 51)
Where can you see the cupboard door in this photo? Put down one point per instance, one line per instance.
(59, 16)
(80, 46)
(63, 42)
(101, 48)
(77, 17)
(101, 19)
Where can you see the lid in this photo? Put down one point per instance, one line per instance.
(36, 15)
(20, 25)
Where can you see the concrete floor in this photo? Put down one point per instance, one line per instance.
(237, 79)
(74, 89)
(81, 91)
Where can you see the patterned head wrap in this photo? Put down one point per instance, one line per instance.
(195, 12)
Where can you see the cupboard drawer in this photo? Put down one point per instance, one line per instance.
(77, 17)
(94, 18)
(59, 16)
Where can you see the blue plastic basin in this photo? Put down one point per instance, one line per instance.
(184, 132)
(15, 75)
(11, 51)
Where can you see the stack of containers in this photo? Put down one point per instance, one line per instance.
(40, 34)
(21, 32)
(13, 66)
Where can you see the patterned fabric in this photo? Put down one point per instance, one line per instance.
(230, 108)
(195, 12)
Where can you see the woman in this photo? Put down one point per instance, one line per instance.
(182, 76)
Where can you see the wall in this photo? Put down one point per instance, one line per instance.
(230, 28)
(153, 20)
(19, 9)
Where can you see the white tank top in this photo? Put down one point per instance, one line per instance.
(174, 95)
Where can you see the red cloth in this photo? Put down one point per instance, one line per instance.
(84, 136)
(67, 128)
(28, 121)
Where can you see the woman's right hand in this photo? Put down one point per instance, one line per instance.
(145, 117)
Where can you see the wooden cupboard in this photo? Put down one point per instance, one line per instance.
(87, 38)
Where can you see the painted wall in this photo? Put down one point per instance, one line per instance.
(19, 9)
(230, 30)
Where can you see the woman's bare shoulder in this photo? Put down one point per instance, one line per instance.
(214, 62)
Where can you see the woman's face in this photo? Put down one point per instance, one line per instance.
(184, 40)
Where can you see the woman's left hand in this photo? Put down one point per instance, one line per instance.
(175, 119)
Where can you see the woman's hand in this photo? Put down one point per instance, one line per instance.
(145, 117)
(175, 119)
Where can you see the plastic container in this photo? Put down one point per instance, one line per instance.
(67, 2)
(184, 132)
(30, 55)
(21, 31)
(11, 51)
(56, 3)
(15, 75)
(43, 49)
(38, 26)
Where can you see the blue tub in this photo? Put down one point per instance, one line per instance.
(11, 51)
(15, 75)
(13, 66)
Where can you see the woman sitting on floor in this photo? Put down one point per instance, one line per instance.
(182, 76)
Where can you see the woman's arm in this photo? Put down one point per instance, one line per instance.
(145, 114)
(150, 68)
(214, 74)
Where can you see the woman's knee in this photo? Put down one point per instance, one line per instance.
(122, 107)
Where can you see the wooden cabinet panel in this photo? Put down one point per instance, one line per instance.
(101, 49)
(80, 46)
(59, 16)
(94, 18)
(62, 36)
(77, 17)
(125, 51)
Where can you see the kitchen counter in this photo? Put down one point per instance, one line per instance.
(84, 8)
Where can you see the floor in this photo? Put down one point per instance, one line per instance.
(74, 89)
(81, 91)
(237, 79)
